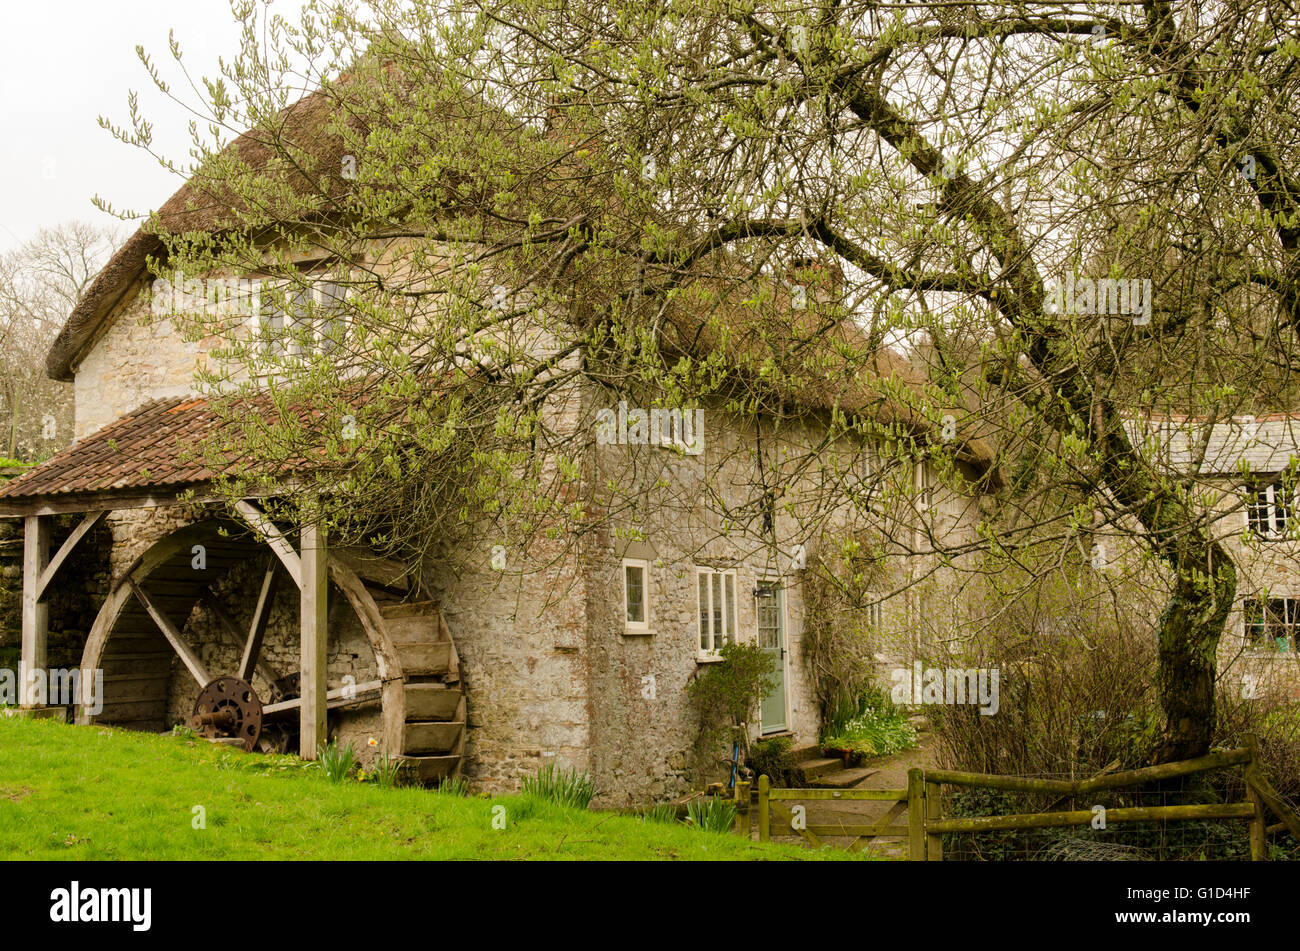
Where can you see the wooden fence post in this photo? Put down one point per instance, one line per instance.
(916, 814)
(933, 810)
(1258, 823)
(742, 808)
(764, 815)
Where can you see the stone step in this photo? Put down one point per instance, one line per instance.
(805, 753)
(814, 768)
(844, 778)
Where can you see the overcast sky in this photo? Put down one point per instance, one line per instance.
(63, 63)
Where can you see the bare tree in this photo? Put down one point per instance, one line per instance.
(40, 283)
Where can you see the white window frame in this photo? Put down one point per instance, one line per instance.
(1271, 532)
(288, 338)
(708, 642)
(923, 483)
(1290, 623)
(642, 626)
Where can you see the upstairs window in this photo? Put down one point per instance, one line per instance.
(300, 321)
(636, 594)
(1270, 510)
(1272, 623)
(717, 609)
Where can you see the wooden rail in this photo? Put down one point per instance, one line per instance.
(923, 803)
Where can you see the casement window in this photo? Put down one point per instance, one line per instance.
(636, 594)
(717, 609)
(1272, 623)
(298, 321)
(923, 478)
(1270, 509)
(874, 615)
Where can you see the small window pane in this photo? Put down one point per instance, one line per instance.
(704, 610)
(634, 580)
(731, 608)
(716, 626)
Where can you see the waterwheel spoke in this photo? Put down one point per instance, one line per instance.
(257, 627)
(186, 653)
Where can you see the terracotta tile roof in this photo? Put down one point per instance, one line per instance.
(146, 449)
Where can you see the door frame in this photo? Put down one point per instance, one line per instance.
(784, 618)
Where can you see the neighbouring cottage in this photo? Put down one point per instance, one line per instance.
(1244, 471)
(215, 616)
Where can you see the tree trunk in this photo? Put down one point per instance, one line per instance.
(1190, 628)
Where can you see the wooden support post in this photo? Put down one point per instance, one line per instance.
(32, 680)
(313, 727)
(916, 814)
(764, 809)
(1258, 822)
(742, 808)
(933, 810)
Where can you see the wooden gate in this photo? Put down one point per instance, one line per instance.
(923, 803)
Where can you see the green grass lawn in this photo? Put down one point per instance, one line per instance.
(81, 793)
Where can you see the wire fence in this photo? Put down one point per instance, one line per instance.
(1157, 840)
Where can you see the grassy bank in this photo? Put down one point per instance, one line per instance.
(94, 793)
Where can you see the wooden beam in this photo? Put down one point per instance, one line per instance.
(173, 635)
(1048, 820)
(334, 698)
(1256, 778)
(314, 592)
(35, 613)
(78, 533)
(274, 537)
(257, 627)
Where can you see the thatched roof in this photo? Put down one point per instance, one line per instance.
(826, 368)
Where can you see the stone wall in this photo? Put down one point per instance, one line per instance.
(138, 358)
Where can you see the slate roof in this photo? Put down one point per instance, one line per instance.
(1264, 444)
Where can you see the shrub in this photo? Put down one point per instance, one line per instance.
(876, 728)
(726, 697)
(772, 758)
(567, 787)
(335, 762)
(711, 814)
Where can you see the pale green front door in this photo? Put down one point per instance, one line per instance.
(771, 638)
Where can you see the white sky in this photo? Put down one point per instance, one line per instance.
(63, 63)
